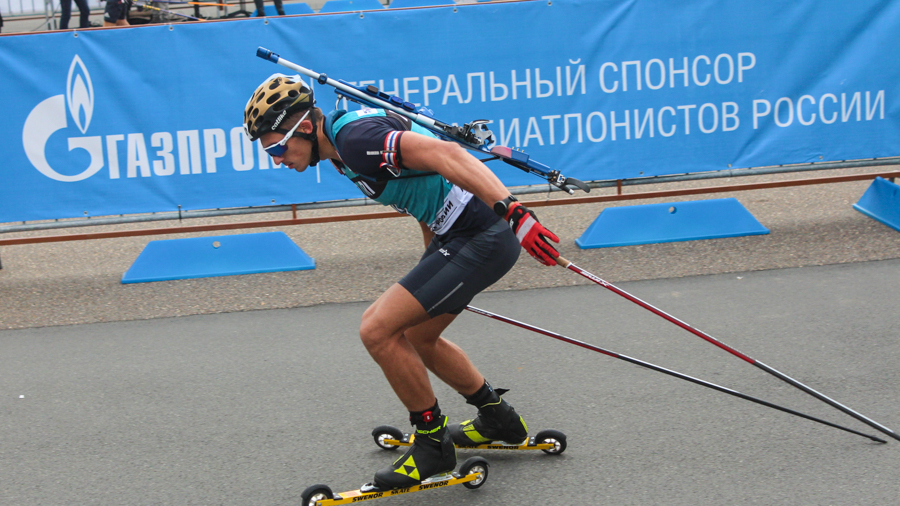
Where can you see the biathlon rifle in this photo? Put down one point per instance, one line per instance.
(473, 135)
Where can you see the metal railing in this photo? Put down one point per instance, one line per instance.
(48, 11)
(16, 7)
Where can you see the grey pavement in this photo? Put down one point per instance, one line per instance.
(251, 407)
(246, 389)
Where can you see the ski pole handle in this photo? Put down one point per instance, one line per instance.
(271, 56)
(265, 54)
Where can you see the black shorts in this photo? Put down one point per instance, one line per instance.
(453, 271)
(116, 10)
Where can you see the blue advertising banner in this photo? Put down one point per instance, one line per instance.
(148, 119)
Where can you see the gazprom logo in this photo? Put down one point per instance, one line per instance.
(133, 155)
(50, 116)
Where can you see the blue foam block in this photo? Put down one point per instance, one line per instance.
(682, 221)
(881, 202)
(227, 255)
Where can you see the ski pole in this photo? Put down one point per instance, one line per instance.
(213, 4)
(663, 370)
(147, 6)
(703, 335)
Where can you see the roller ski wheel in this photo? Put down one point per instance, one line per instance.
(554, 438)
(315, 494)
(385, 433)
(472, 474)
(551, 442)
(475, 466)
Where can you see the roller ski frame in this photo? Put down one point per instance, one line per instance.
(551, 442)
(472, 474)
(473, 135)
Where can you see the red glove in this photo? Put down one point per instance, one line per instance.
(533, 236)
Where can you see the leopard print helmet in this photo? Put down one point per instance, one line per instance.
(277, 98)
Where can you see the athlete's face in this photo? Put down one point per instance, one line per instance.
(297, 156)
(296, 153)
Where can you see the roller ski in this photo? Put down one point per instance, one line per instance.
(472, 474)
(551, 442)
(496, 427)
(428, 463)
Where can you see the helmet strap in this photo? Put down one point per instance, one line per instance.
(311, 137)
(314, 139)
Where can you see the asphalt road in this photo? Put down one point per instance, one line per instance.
(251, 407)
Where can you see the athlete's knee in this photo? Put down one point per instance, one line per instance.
(369, 334)
(373, 333)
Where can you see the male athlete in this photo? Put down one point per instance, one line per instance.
(472, 227)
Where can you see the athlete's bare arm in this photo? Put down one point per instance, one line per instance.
(452, 161)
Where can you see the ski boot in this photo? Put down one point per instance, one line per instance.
(496, 421)
(432, 453)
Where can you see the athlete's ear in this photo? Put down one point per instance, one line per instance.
(306, 126)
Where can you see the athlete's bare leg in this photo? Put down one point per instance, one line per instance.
(444, 358)
(403, 340)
